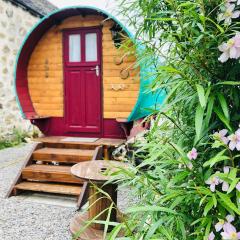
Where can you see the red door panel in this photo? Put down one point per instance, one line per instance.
(93, 100)
(83, 110)
(83, 101)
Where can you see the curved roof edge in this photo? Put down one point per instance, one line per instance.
(144, 101)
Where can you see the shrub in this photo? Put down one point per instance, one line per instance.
(17, 137)
(192, 187)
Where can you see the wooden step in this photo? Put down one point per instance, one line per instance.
(63, 155)
(57, 142)
(50, 173)
(87, 146)
(49, 188)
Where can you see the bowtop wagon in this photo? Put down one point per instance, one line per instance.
(73, 80)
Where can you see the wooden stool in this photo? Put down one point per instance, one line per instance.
(98, 202)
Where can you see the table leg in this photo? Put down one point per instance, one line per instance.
(106, 153)
(99, 202)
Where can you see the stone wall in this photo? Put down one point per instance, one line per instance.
(14, 25)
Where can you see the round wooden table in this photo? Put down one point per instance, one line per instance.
(97, 173)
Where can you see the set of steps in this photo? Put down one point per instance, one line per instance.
(47, 169)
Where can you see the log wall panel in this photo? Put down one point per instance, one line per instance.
(45, 72)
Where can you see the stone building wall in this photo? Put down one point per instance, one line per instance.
(14, 25)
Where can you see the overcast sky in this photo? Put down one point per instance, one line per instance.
(103, 4)
(108, 5)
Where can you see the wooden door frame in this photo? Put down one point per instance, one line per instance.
(65, 34)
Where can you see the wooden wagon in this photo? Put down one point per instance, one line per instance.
(73, 79)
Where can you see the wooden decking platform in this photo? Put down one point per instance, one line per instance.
(58, 141)
(47, 168)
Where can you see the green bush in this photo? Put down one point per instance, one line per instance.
(192, 187)
(16, 138)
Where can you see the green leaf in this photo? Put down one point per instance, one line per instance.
(217, 25)
(162, 19)
(199, 38)
(209, 224)
(207, 93)
(229, 83)
(200, 27)
(201, 95)
(202, 200)
(227, 200)
(233, 185)
(151, 209)
(209, 110)
(196, 221)
(223, 207)
(238, 197)
(218, 158)
(222, 118)
(182, 228)
(114, 233)
(198, 122)
(208, 207)
(180, 176)
(214, 200)
(186, 4)
(223, 104)
(166, 233)
(177, 201)
(106, 225)
(169, 69)
(233, 173)
(179, 150)
(153, 228)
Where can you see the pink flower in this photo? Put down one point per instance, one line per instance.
(192, 154)
(211, 236)
(235, 1)
(226, 169)
(238, 186)
(190, 166)
(219, 226)
(230, 218)
(213, 182)
(230, 232)
(229, 14)
(231, 49)
(222, 134)
(225, 185)
(235, 140)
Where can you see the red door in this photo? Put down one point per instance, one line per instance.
(82, 70)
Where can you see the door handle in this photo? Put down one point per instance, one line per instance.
(97, 69)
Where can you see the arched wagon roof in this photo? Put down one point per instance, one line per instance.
(146, 99)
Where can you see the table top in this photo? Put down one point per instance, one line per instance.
(96, 171)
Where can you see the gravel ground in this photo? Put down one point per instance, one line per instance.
(23, 220)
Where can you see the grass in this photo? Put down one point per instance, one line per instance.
(14, 139)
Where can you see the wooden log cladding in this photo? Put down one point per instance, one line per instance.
(46, 77)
